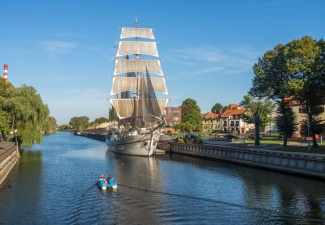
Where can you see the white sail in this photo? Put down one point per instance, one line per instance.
(137, 66)
(125, 107)
(136, 32)
(122, 84)
(136, 47)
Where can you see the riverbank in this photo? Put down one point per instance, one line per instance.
(262, 156)
(9, 156)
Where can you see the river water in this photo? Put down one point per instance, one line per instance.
(54, 183)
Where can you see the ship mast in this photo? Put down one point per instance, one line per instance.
(136, 106)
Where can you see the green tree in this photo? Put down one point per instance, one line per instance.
(273, 80)
(305, 61)
(263, 107)
(100, 120)
(26, 113)
(112, 115)
(53, 124)
(183, 127)
(79, 123)
(63, 127)
(225, 108)
(286, 120)
(216, 107)
(191, 113)
(4, 125)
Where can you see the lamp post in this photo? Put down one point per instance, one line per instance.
(308, 125)
(12, 132)
(16, 137)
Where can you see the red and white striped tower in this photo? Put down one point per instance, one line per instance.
(5, 72)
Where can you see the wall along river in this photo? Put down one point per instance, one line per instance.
(54, 183)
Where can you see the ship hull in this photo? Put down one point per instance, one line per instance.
(139, 145)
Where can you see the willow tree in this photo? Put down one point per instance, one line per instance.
(26, 113)
(51, 125)
(4, 125)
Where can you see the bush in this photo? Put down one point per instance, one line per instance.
(180, 140)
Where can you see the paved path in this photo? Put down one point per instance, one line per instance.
(272, 148)
(5, 146)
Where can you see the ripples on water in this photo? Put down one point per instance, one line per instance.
(54, 183)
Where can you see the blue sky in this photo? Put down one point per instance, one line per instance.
(65, 48)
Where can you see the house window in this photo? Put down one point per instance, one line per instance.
(237, 123)
(231, 123)
(224, 123)
(169, 114)
(302, 110)
(176, 115)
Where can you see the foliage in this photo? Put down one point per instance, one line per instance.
(191, 113)
(263, 107)
(180, 140)
(100, 120)
(183, 127)
(216, 107)
(286, 121)
(273, 80)
(305, 61)
(79, 123)
(26, 113)
(295, 70)
(64, 127)
(4, 125)
(225, 108)
(112, 115)
(53, 124)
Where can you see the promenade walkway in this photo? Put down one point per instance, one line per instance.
(5, 146)
(270, 147)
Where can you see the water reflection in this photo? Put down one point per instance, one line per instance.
(26, 187)
(281, 195)
(55, 183)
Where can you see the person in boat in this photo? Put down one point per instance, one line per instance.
(110, 179)
(102, 177)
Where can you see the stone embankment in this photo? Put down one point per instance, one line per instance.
(9, 156)
(306, 164)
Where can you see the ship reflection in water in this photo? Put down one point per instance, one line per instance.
(55, 183)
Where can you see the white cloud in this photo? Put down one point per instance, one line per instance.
(224, 60)
(58, 47)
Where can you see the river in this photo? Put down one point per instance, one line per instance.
(55, 183)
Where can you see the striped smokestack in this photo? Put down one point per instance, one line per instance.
(5, 72)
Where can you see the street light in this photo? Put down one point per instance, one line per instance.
(11, 132)
(308, 125)
(16, 137)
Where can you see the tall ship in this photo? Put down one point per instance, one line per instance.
(137, 80)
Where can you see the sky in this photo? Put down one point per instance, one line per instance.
(64, 49)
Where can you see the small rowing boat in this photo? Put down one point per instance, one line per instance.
(102, 184)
